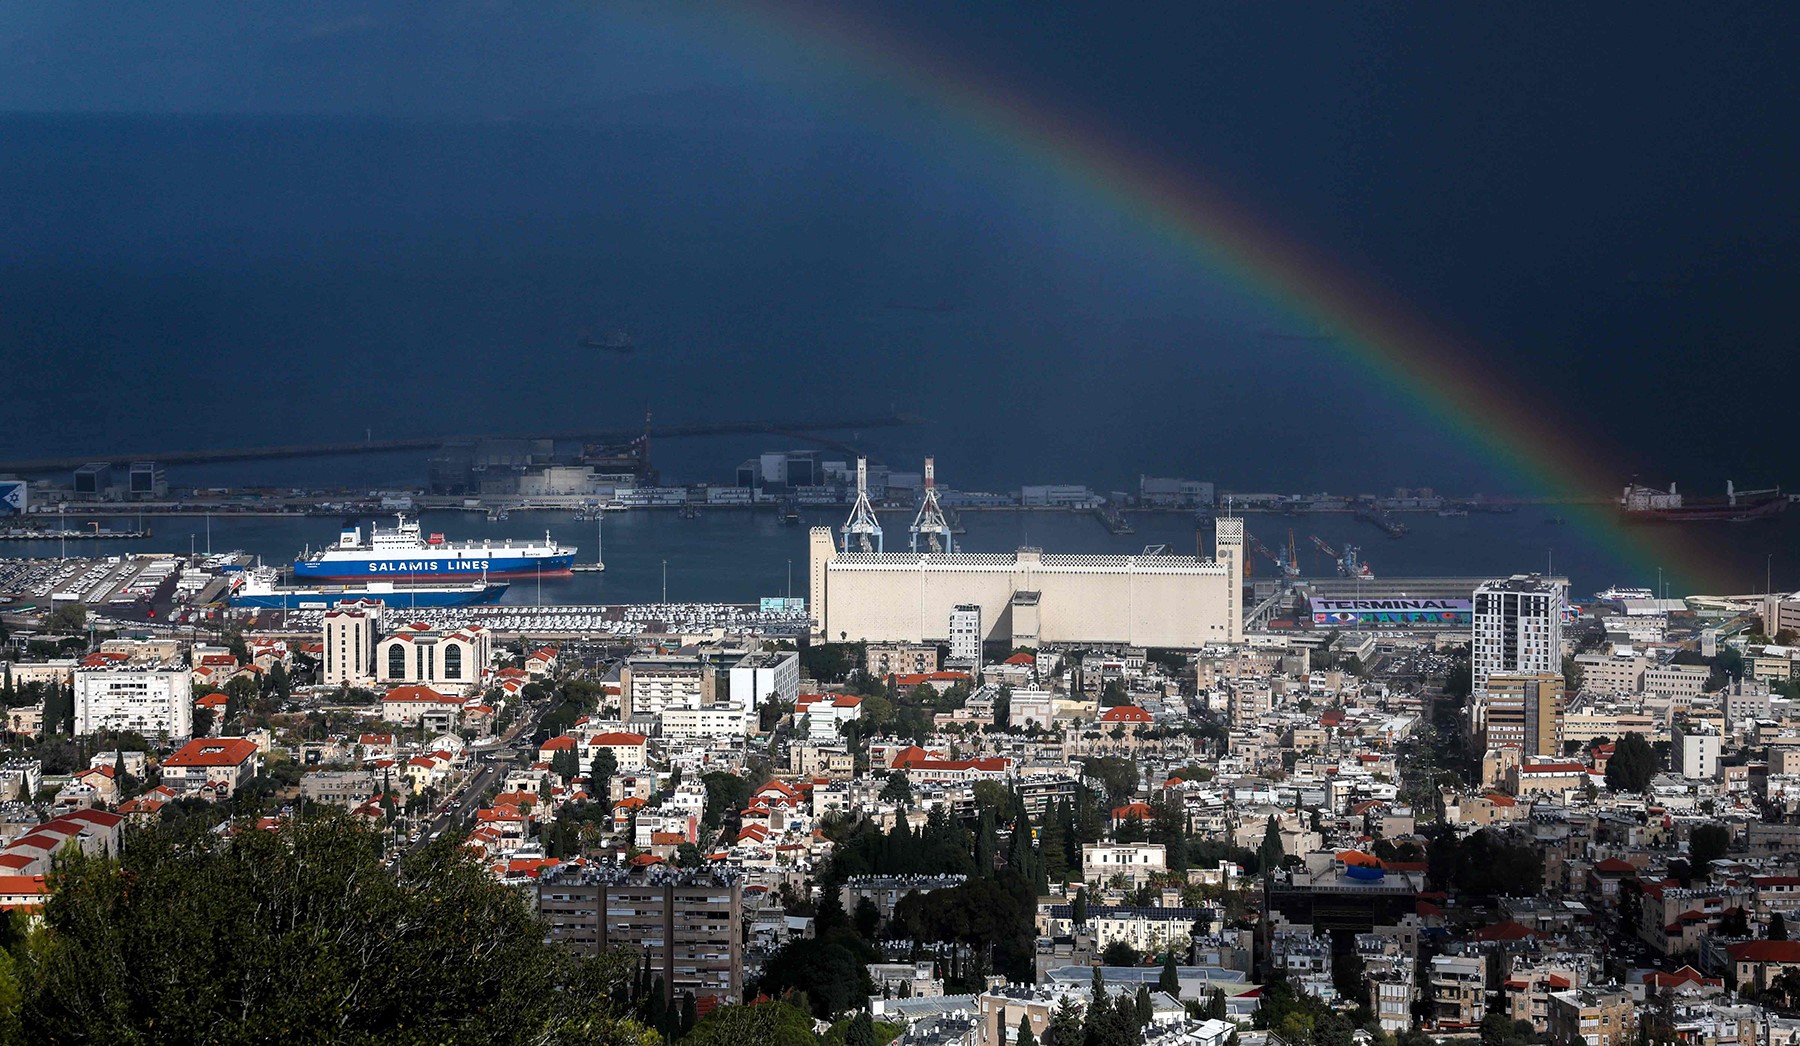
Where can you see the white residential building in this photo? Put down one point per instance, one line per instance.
(965, 633)
(1518, 628)
(706, 721)
(758, 677)
(1696, 751)
(150, 701)
(1137, 862)
(350, 632)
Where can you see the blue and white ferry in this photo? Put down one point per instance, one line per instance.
(404, 554)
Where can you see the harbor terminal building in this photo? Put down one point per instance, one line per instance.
(1027, 597)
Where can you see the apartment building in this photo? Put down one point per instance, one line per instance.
(689, 923)
(150, 701)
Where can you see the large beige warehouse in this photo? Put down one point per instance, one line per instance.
(1027, 597)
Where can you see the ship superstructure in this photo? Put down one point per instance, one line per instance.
(1647, 503)
(403, 553)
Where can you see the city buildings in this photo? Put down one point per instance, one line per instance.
(765, 676)
(350, 631)
(1525, 712)
(690, 924)
(150, 701)
(454, 659)
(1518, 628)
(1030, 597)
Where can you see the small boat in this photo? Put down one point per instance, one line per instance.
(1556, 521)
(614, 341)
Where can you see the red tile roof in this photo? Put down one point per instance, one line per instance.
(1125, 714)
(218, 751)
(1765, 951)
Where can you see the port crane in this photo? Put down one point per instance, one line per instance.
(1291, 565)
(862, 526)
(930, 521)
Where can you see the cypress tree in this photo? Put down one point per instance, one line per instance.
(1142, 1010)
(1170, 979)
(1025, 1038)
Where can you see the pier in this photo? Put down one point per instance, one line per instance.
(807, 430)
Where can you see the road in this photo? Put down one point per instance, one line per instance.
(459, 807)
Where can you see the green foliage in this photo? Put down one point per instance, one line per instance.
(1169, 980)
(1269, 855)
(832, 662)
(726, 794)
(764, 1024)
(897, 790)
(188, 938)
(1064, 1028)
(1118, 953)
(1025, 1037)
(1489, 863)
(1777, 927)
(67, 619)
(1633, 764)
(1113, 693)
(1706, 843)
(600, 774)
(1118, 776)
(830, 970)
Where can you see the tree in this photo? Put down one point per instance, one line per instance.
(1169, 981)
(1633, 764)
(565, 764)
(1707, 843)
(1003, 707)
(1079, 908)
(1025, 1037)
(600, 774)
(203, 721)
(1269, 855)
(1118, 953)
(861, 1031)
(1064, 1028)
(437, 953)
(866, 919)
(898, 789)
(761, 1024)
(1118, 776)
(830, 970)
(1777, 928)
(1142, 1009)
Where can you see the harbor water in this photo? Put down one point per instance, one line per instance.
(740, 555)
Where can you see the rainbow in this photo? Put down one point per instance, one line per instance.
(1506, 423)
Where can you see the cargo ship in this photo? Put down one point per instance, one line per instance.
(1647, 504)
(262, 589)
(404, 554)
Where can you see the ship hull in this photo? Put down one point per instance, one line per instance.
(1707, 513)
(312, 598)
(433, 568)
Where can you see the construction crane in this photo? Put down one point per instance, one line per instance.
(1319, 543)
(930, 520)
(862, 524)
(1291, 567)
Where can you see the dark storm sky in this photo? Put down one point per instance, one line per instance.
(1601, 195)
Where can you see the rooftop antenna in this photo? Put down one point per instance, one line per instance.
(930, 520)
(862, 523)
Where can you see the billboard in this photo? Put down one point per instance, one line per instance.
(1393, 613)
(13, 497)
